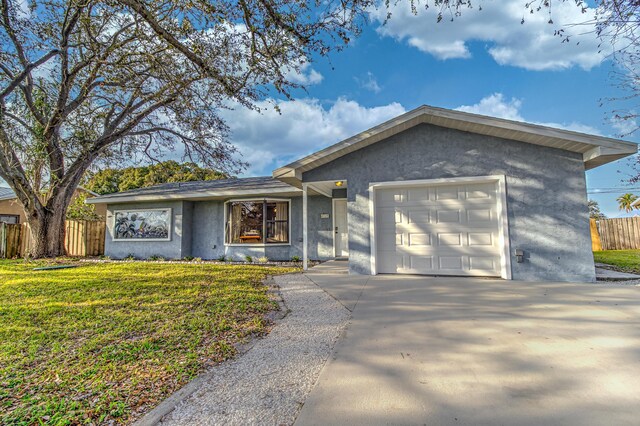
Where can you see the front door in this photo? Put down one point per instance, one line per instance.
(340, 229)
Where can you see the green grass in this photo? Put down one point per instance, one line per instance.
(623, 260)
(104, 343)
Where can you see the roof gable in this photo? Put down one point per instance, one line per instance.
(596, 150)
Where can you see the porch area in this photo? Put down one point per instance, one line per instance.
(336, 190)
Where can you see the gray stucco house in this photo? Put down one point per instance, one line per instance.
(433, 191)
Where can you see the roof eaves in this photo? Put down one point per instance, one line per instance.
(190, 195)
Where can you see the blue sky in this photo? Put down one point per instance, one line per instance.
(484, 62)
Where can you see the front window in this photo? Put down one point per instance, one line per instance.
(9, 218)
(257, 222)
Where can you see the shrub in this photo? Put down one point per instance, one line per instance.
(222, 258)
(248, 258)
(263, 259)
(295, 259)
(155, 257)
(188, 258)
(130, 256)
(197, 259)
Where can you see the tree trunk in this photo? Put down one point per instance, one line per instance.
(48, 232)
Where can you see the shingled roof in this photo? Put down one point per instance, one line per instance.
(6, 193)
(201, 190)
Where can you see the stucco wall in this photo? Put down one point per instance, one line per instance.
(546, 193)
(12, 207)
(187, 232)
(208, 233)
(141, 249)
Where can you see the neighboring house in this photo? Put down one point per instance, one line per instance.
(11, 210)
(433, 191)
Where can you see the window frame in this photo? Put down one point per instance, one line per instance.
(15, 216)
(264, 221)
(170, 224)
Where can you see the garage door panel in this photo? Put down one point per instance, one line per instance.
(418, 216)
(448, 216)
(419, 195)
(480, 239)
(390, 238)
(421, 263)
(486, 190)
(483, 263)
(391, 197)
(451, 263)
(447, 251)
(391, 262)
(449, 239)
(389, 216)
(418, 239)
(477, 216)
(447, 193)
(440, 230)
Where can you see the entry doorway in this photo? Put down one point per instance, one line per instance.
(340, 228)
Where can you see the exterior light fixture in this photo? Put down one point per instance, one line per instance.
(339, 183)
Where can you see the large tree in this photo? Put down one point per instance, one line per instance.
(616, 23)
(84, 81)
(109, 180)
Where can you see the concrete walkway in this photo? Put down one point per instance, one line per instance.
(606, 272)
(336, 266)
(454, 351)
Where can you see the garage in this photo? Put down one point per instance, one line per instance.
(441, 227)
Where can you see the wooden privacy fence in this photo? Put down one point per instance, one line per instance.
(616, 234)
(82, 238)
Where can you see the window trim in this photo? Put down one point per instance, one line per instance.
(266, 200)
(170, 225)
(16, 216)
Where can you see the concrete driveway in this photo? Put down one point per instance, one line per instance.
(462, 351)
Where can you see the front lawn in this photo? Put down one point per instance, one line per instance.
(623, 260)
(106, 342)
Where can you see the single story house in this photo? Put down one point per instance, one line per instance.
(433, 191)
(11, 210)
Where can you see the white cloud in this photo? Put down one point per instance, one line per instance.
(304, 126)
(624, 126)
(496, 105)
(369, 83)
(531, 45)
(305, 75)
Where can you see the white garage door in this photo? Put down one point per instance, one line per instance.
(438, 230)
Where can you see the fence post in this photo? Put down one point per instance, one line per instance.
(596, 244)
(3, 240)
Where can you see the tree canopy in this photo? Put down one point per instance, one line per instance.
(85, 82)
(594, 210)
(111, 180)
(625, 202)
